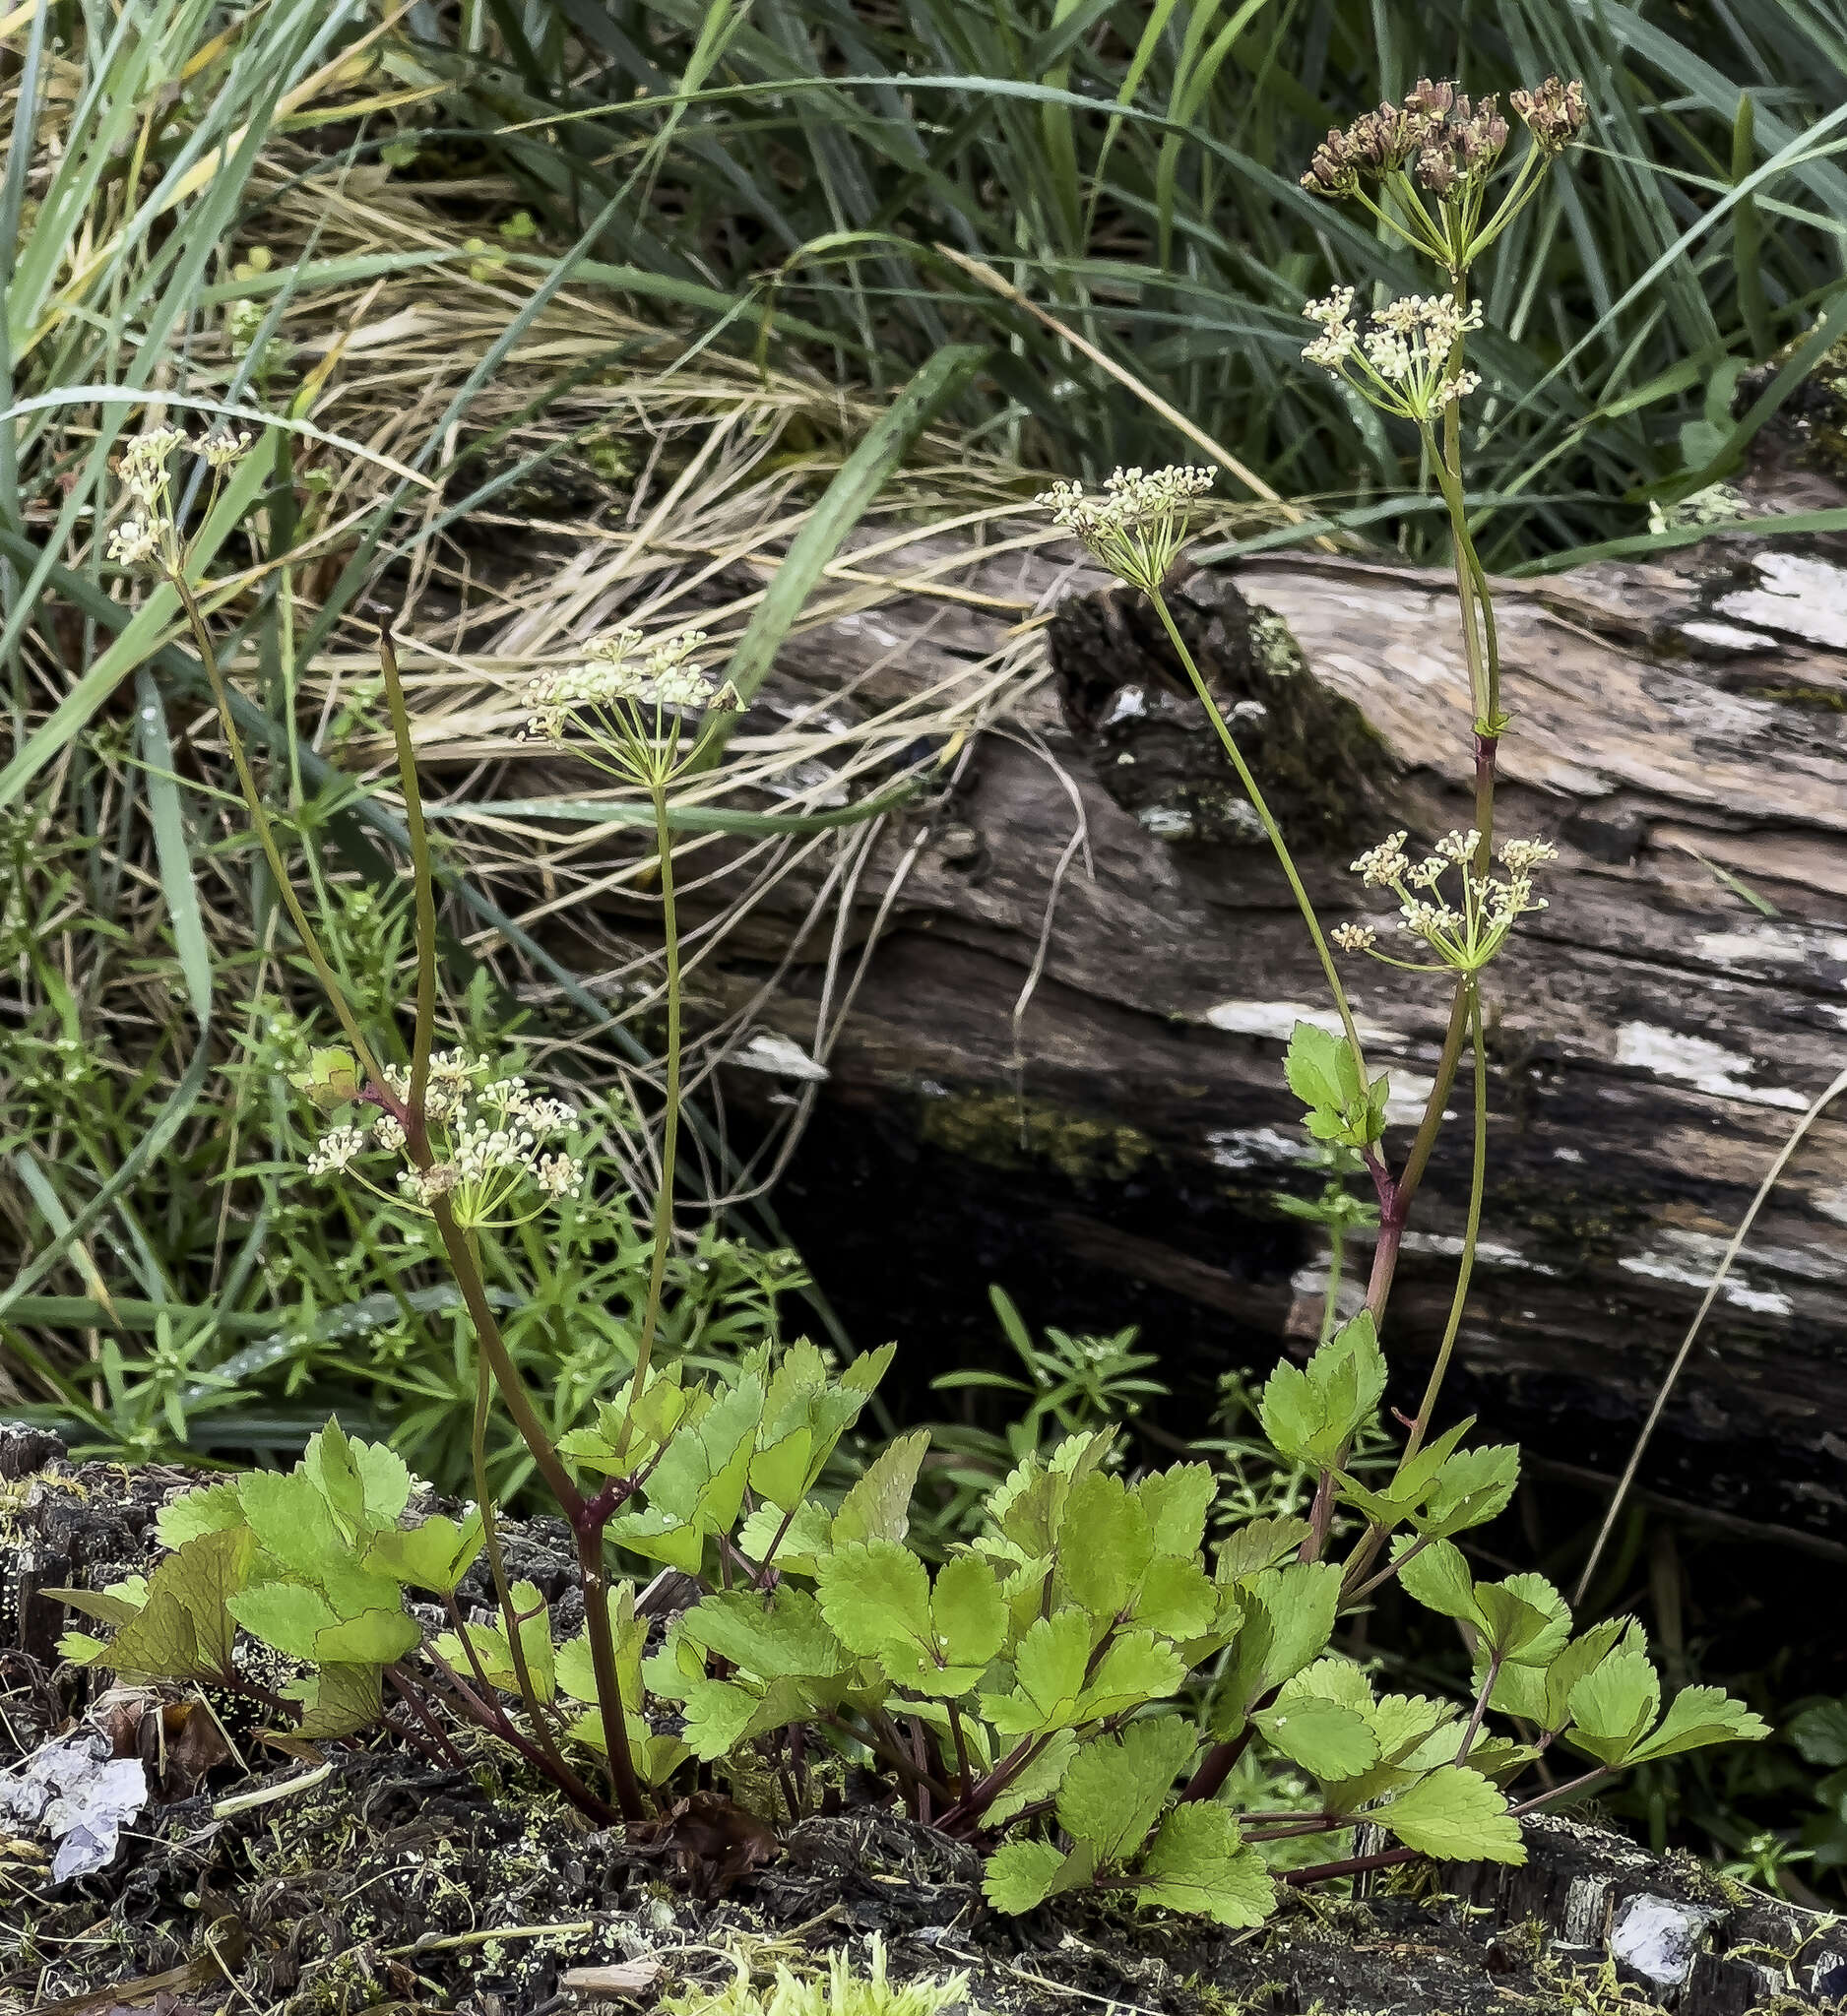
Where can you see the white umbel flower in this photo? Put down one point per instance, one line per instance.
(1404, 360)
(339, 1146)
(632, 702)
(1137, 524)
(1464, 928)
(488, 1134)
(135, 542)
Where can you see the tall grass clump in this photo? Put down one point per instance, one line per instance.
(1112, 189)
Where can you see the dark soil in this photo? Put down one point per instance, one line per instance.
(349, 1877)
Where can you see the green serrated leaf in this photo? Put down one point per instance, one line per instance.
(1524, 1619)
(1456, 1815)
(1022, 1875)
(1312, 1065)
(1614, 1705)
(1038, 1780)
(210, 1510)
(1048, 1666)
(1326, 1738)
(969, 1612)
(1136, 1668)
(1438, 1576)
(1311, 1413)
(1289, 1618)
(288, 1615)
(1176, 1502)
(1697, 1717)
(1199, 1862)
(434, 1555)
(799, 1542)
(1257, 1544)
(1105, 1545)
(338, 1701)
(784, 1637)
(875, 1594)
(1177, 1598)
(1473, 1486)
(184, 1631)
(1114, 1787)
(878, 1507)
(372, 1638)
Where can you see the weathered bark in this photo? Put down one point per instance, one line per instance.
(1654, 1035)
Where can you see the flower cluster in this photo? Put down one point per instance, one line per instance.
(1402, 359)
(145, 538)
(1445, 143)
(489, 1140)
(1464, 929)
(1555, 113)
(1137, 524)
(631, 700)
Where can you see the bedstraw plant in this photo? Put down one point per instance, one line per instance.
(1027, 1694)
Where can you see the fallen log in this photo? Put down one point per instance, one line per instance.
(1065, 1059)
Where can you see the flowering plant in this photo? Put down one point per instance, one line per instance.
(1023, 1695)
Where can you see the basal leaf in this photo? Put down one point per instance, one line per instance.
(1048, 1666)
(1115, 1786)
(291, 1520)
(1327, 1740)
(210, 1510)
(1105, 1545)
(1176, 1502)
(185, 1630)
(783, 1636)
(969, 1612)
(1257, 1544)
(338, 1701)
(1456, 1815)
(878, 1507)
(799, 1542)
(1177, 1598)
(1136, 1668)
(373, 1638)
(874, 1593)
(434, 1555)
(1199, 1862)
(1022, 1875)
(1038, 1780)
(290, 1615)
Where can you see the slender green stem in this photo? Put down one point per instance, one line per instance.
(266, 835)
(465, 1264)
(670, 1122)
(1470, 1237)
(570, 1501)
(1258, 804)
(1336, 1265)
(1480, 1709)
(423, 877)
(503, 1590)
